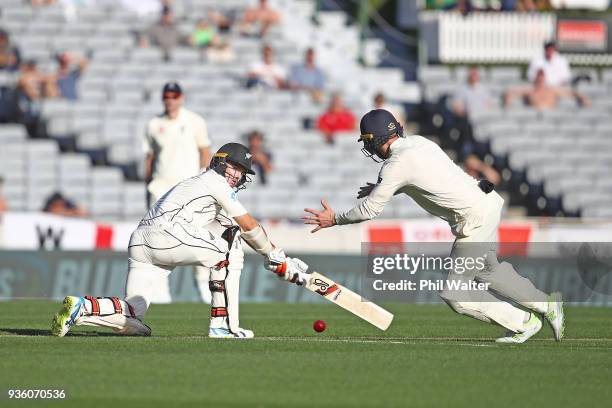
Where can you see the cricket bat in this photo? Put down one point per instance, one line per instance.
(349, 300)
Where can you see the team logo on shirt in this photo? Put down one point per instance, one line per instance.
(233, 196)
(391, 126)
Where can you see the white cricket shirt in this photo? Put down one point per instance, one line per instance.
(175, 145)
(196, 201)
(419, 168)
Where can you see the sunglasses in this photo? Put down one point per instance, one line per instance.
(171, 95)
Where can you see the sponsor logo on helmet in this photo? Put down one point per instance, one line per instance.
(220, 154)
(391, 126)
(247, 156)
(366, 137)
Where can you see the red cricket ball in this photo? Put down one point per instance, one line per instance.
(319, 326)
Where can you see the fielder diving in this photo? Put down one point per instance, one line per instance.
(180, 229)
(417, 167)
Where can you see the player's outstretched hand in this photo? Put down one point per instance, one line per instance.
(322, 219)
(365, 191)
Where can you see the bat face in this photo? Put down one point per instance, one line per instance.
(349, 300)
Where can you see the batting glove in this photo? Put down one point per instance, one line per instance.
(289, 269)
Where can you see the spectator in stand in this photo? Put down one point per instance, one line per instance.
(472, 97)
(260, 17)
(164, 33)
(308, 77)
(60, 205)
(380, 102)
(266, 72)
(542, 96)
(555, 66)
(336, 119)
(203, 35)
(218, 50)
(224, 21)
(531, 6)
(262, 159)
(479, 169)
(3, 203)
(10, 57)
(69, 71)
(223, 53)
(33, 83)
(32, 86)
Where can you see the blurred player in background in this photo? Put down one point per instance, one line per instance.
(418, 167)
(181, 230)
(177, 147)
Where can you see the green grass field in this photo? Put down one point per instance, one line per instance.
(430, 357)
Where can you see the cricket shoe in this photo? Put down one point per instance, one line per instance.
(72, 308)
(533, 325)
(555, 315)
(223, 333)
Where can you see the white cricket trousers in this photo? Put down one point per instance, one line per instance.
(502, 278)
(154, 251)
(160, 293)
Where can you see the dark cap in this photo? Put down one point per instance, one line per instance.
(550, 43)
(172, 88)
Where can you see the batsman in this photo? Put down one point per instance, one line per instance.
(180, 229)
(415, 166)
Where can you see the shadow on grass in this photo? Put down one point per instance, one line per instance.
(44, 332)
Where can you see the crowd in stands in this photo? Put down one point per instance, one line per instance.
(162, 25)
(550, 79)
(210, 34)
(468, 6)
(478, 119)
